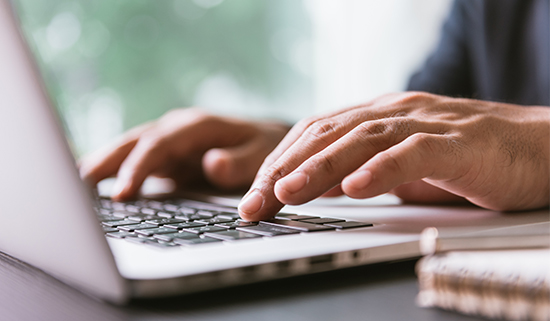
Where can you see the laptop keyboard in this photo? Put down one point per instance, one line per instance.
(188, 223)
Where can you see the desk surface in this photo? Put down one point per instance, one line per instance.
(379, 292)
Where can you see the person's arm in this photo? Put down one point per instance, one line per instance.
(447, 71)
(188, 145)
(493, 154)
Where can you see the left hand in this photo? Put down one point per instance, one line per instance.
(420, 146)
(188, 145)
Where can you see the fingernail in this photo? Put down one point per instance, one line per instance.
(360, 179)
(294, 183)
(251, 203)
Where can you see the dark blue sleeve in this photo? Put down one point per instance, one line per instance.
(446, 71)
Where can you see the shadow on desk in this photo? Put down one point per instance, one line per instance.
(378, 292)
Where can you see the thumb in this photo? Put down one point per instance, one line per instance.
(236, 166)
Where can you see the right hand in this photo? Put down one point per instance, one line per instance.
(421, 147)
(186, 145)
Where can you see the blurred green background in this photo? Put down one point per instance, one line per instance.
(112, 64)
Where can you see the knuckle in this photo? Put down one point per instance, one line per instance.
(377, 128)
(410, 103)
(391, 163)
(383, 133)
(116, 148)
(269, 159)
(135, 133)
(425, 143)
(173, 112)
(192, 113)
(152, 142)
(414, 97)
(199, 115)
(322, 129)
(366, 131)
(325, 163)
(274, 173)
(382, 130)
(305, 123)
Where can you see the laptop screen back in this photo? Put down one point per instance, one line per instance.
(46, 212)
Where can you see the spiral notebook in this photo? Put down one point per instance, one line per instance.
(503, 284)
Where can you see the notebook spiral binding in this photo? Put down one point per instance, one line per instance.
(467, 282)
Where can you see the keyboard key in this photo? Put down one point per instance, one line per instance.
(210, 207)
(105, 203)
(196, 241)
(105, 211)
(139, 203)
(205, 214)
(166, 214)
(133, 209)
(294, 217)
(141, 226)
(178, 235)
(232, 235)
(118, 223)
(238, 223)
(193, 217)
(139, 239)
(109, 229)
(227, 210)
(120, 235)
(348, 224)
(150, 241)
(186, 211)
(161, 221)
(142, 217)
(234, 216)
(323, 220)
(186, 217)
(155, 205)
(297, 225)
(267, 230)
(179, 226)
(117, 206)
(105, 218)
(171, 208)
(215, 220)
(153, 231)
(122, 214)
(148, 211)
(204, 229)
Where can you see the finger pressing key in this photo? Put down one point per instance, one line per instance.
(146, 157)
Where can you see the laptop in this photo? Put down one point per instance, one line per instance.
(157, 247)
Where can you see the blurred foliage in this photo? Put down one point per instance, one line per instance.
(143, 57)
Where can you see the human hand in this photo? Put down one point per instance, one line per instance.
(417, 145)
(187, 145)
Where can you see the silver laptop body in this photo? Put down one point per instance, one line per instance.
(47, 219)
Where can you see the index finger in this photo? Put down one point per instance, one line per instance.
(294, 134)
(394, 105)
(105, 162)
(312, 137)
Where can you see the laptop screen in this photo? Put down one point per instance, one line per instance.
(112, 65)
